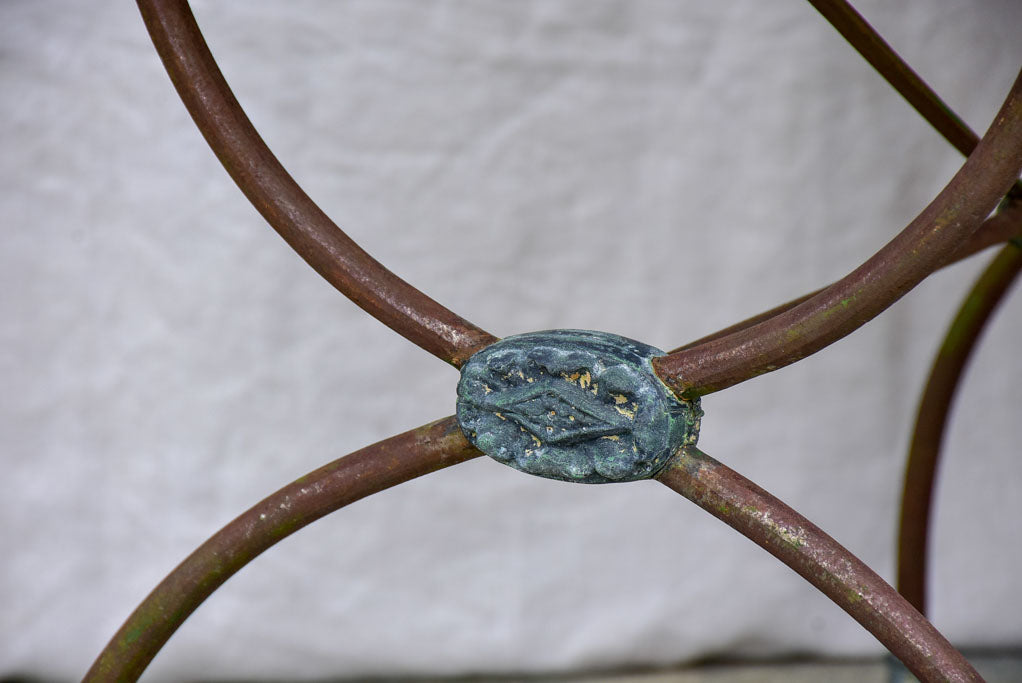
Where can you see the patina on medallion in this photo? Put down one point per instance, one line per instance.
(575, 405)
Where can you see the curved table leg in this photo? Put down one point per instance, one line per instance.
(355, 476)
(819, 559)
(931, 420)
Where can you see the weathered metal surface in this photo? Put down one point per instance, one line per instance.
(899, 75)
(355, 476)
(821, 561)
(1005, 226)
(599, 413)
(857, 31)
(573, 405)
(931, 420)
(923, 246)
(285, 206)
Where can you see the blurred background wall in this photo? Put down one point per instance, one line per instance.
(658, 169)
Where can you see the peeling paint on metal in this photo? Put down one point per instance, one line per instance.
(574, 405)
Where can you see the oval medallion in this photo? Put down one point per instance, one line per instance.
(574, 405)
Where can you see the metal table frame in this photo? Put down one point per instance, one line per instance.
(958, 223)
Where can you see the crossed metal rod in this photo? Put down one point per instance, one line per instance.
(953, 226)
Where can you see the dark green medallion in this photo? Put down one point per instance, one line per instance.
(574, 405)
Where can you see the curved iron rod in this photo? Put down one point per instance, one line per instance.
(931, 420)
(355, 476)
(284, 204)
(900, 76)
(820, 560)
(864, 38)
(927, 242)
(1003, 226)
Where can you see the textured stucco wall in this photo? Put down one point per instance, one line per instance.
(657, 169)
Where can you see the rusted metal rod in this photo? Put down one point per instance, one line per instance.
(864, 38)
(931, 420)
(1003, 226)
(285, 206)
(900, 76)
(819, 559)
(355, 476)
(926, 243)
